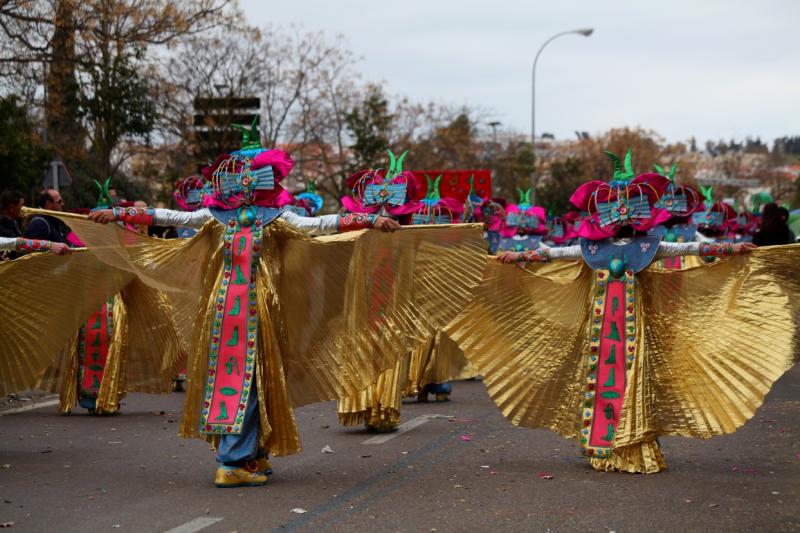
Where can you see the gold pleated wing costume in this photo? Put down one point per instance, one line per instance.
(712, 339)
(143, 353)
(46, 299)
(380, 403)
(329, 323)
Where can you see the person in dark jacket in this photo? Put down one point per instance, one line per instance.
(45, 227)
(772, 228)
(11, 203)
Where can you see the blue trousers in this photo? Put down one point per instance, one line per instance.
(440, 388)
(236, 450)
(87, 403)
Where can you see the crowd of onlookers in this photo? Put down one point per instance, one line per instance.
(42, 227)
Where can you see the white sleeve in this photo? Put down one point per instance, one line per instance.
(699, 237)
(563, 252)
(322, 225)
(183, 219)
(674, 249)
(8, 244)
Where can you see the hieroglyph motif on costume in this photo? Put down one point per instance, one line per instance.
(612, 335)
(94, 341)
(612, 348)
(232, 351)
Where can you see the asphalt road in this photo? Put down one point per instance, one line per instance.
(473, 472)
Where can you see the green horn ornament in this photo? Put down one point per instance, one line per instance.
(672, 170)
(669, 175)
(251, 138)
(399, 169)
(392, 165)
(629, 164)
(104, 197)
(433, 188)
(623, 171)
(708, 194)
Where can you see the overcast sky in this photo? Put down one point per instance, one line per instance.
(708, 68)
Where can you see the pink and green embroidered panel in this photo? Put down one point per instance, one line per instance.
(232, 350)
(94, 341)
(612, 347)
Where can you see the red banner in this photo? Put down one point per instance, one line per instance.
(455, 183)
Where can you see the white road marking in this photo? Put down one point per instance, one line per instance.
(29, 407)
(403, 428)
(201, 522)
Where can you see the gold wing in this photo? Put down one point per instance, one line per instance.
(716, 338)
(525, 331)
(353, 303)
(46, 298)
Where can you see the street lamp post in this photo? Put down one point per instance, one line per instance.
(586, 32)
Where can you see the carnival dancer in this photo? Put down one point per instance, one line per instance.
(493, 212)
(261, 339)
(437, 361)
(680, 201)
(524, 227)
(615, 354)
(561, 229)
(378, 406)
(102, 363)
(715, 219)
(389, 192)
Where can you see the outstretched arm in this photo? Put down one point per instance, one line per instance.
(543, 254)
(703, 249)
(152, 216)
(327, 224)
(24, 246)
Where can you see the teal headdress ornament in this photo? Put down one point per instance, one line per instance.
(623, 171)
(708, 195)
(104, 200)
(251, 138)
(472, 196)
(524, 198)
(395, 164)
(670, 175)
(433, 195)
(310, 195)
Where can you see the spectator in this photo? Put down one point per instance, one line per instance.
(45, 227)
(772, 228)
(11, 203)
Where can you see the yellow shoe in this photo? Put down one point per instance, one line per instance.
(231, 476)
(259, 466)
(380, 427)
(442, 397)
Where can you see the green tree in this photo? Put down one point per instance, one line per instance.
(564, 177)
(369, 124)
(23, 157)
